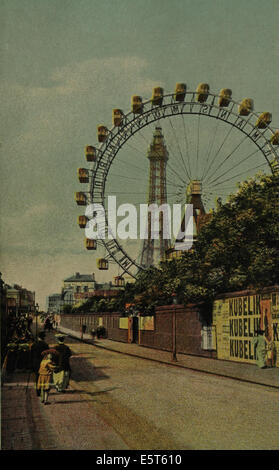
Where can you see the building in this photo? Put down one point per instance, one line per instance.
(106, 289)
(19, 300)
(77, 287)
(80, 287)
(53, 303)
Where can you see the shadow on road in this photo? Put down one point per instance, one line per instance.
(83, 370)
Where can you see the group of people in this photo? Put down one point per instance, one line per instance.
(50, 365)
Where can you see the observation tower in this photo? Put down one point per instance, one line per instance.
(155, 247)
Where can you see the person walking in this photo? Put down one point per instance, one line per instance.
(36, 355)
(46, 370)
(259, 343)
(61, 376)
(48, 325)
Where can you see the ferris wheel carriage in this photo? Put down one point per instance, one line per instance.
(202, 92)
(137, 105)
(119, 281)
(245, 107)
(90, 153)
(80, 199)
(117, 117)
(180, 91)
(225, 97)
(90, 244)
(83, 175)
(102, 133)
(195, 187)
(275, 138)
(157, 96)
(264, 120)
(102, 264)
(82, 221)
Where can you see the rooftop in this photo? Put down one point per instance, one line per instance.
(77, 277)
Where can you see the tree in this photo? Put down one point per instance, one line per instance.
(67, 308)
(237, 248)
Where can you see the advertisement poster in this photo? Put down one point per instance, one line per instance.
(266, 320)
(139, 212)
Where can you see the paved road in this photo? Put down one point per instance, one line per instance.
(123, 402)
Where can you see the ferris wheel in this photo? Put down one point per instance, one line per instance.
(210, 137)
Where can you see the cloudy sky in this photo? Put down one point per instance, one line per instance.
(66, 64)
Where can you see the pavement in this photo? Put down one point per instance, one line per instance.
(27, 424)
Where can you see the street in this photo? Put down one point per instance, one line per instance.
(121, 402)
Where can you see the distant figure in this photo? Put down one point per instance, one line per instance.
(36, 355)
(61, 376)
(46, 369)
(48, 324)
(29, 322)
(259, 343)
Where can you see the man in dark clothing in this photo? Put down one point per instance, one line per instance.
(36, 356)
(61, 376)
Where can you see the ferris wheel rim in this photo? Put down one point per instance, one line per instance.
(126, 262)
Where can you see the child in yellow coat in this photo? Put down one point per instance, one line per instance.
(45, 374)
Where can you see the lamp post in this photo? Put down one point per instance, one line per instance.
(174, 301)
(36, 315)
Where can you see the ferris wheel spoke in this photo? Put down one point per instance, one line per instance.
(210, 148)
(217, 153)
(130, 164)
(174, 157)
(179, 149)
(123, 176)
(198, 144)
(233, 167)
(187, 145)
(229, 156)
(240, 174)
(222, 188)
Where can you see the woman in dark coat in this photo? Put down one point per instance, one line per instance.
(61, 376)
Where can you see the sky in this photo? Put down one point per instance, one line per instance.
(65, 65)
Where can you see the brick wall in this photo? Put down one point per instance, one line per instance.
(91, 320)
(189, 322)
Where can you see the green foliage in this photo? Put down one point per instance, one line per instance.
(67, 308)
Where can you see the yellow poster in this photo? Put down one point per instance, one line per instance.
(236, 320)
(146, 323)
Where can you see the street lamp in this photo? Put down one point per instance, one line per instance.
(36, 315)
(174, 301)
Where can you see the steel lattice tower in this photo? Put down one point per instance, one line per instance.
(154, 250)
